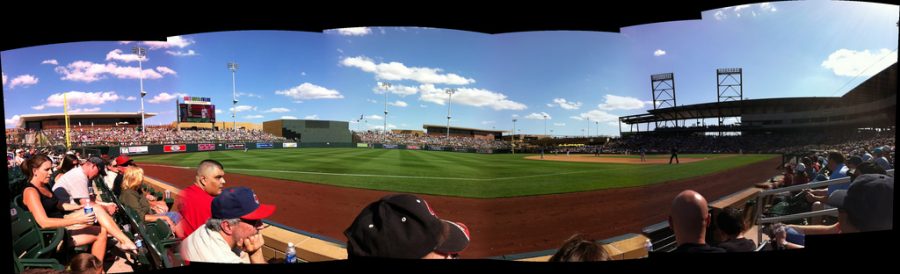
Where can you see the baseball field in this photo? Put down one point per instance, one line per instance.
(322, 190)
(454, 174)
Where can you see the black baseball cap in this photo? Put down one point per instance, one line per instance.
(869, 202)
(403, 226)
(100, 163)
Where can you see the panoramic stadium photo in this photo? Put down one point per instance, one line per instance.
(744, 131)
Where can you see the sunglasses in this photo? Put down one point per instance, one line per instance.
(258, 224)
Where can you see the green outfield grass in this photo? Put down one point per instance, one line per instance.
(446, 173)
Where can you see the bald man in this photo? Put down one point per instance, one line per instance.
(195, 202)
(689, 219)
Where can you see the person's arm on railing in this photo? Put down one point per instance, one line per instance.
(817, 229)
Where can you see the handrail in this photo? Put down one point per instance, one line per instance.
(828, 212)
(825, 212)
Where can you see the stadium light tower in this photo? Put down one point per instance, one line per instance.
(597, 123)
(233, 67)
(450, 92)
(545, 125)
(141, 52)
(588, 132)
(512, 138)
(385, 87)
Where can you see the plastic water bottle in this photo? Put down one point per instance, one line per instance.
(649, 246)
(139, 243)
(89, 209)
(290, 256)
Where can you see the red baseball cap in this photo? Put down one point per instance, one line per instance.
(122, 159)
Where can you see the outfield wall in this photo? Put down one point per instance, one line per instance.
(115, 151)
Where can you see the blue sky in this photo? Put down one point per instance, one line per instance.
(786, 49)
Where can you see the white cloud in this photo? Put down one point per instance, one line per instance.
(118, 55)
(360, 31)
(23, 80)
(165, 97)
(38, 107)
(125, 42)
(720, 15)
(566, 104)
(84, 71)
(166, 70)
(307, 91)
(538, 116)
(312, 117)
(289, 117)
(372, 101)
(218, 111)
(470, 97)
(549, 105)
(559, 124)
(596, 116)
(374, 117)
(253, 116)
(4, 79)
(13, 121)
(659, 52)
(845, 62)
(174, 41)
(423, 106)
(278, 110)
(248, 94)
(487, 122)
(741, 10)
(50, 61)
(130, 98)
(395, 71)
(400, 90)
(82, 98)
(614, 102)
(515, 116)
(242, 108)
(398, 103)
(181, 53)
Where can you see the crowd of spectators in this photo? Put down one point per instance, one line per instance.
(159, 135)
(409, 139)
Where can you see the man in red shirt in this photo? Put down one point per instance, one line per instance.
(195, 201)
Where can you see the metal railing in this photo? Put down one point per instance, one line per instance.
(826, 212)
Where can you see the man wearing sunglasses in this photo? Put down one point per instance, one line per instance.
(233, 229)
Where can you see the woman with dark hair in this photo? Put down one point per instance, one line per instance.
(85, 263)
(732, 227)
(68, 163)
(49, 212)
(579, 249)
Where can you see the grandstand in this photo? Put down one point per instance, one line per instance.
(872, 104)
(81, 120)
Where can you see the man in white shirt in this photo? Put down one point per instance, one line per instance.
(72, 187)
(233, 230)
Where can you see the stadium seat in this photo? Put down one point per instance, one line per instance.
(21, 264)
(28, 241)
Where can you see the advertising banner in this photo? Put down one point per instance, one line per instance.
(174, 148)
(362, 145)
(486, 151)
(205, 147)
(435, 148)
(263, 145)
(412, 147)
(389, 146)
(133, 150)
(461, 149)
(234, 146)
(289, 145)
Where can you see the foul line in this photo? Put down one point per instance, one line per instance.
(399, 176)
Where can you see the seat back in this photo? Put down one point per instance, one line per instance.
(27, 239)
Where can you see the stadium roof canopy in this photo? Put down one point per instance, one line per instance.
(81, 115)
(880, 86)
(427, 126)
